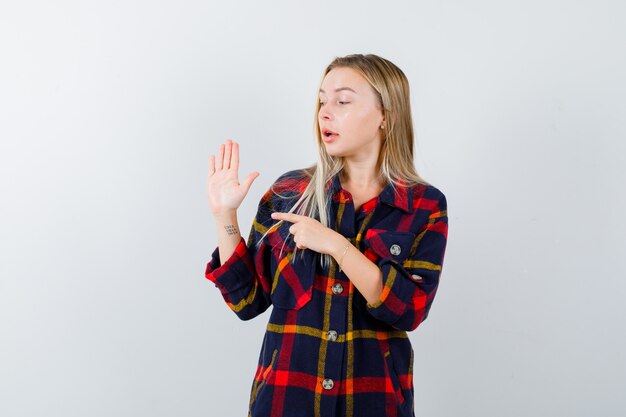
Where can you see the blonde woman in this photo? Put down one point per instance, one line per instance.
(348, 251)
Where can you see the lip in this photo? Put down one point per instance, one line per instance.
(327, 138)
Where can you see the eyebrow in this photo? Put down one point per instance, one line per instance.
(339, 89)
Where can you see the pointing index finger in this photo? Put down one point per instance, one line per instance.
(290, 217)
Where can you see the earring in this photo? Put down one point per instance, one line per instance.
(382, 126)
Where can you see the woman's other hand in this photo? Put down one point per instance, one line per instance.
(225, 192)
(309, 233)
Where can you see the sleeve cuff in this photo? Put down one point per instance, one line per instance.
(395, 296)
(232, 274)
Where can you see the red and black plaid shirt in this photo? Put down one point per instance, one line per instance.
(327, 351)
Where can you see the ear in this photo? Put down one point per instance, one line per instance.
(383, 120)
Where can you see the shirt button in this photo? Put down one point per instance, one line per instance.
(328, 383)
(337, 288)
(332, 335)
(416, 277)
(395, 249)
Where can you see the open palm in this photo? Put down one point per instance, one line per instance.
(225, 192)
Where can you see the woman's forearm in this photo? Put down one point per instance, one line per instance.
(228, 234)
(364, 274)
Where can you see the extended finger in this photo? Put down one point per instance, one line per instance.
(220, 157)
(234, 161)
(211, 165)
(227, 153)
(290, 217)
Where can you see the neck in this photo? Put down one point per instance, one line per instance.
(361, 177)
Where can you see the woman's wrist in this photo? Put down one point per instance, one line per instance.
(224, 216)
(339, 248)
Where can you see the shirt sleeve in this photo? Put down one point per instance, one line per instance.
(243, 279)
(409, 286)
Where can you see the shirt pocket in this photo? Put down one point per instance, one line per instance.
(261, 380)
(265, 375)
(395, 380)
(379, 244)
(292, 282)
(382, 243)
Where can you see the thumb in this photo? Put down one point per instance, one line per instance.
(249, 180)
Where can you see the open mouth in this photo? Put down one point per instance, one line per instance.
(329, 133)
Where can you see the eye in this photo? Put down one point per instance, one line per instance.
(340, 102)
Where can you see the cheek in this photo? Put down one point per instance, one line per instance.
(356, 120)
(364, 123)
(369, 116)
(359, 123)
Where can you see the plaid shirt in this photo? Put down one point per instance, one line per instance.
(326, 350)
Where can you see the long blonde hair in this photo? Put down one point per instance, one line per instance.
(395, 160)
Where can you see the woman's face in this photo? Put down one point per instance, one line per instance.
(349, 108)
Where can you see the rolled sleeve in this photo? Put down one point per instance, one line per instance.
(233, 274)
(409, 285)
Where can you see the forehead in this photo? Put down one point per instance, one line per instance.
(345, 77)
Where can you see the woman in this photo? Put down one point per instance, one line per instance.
(348, 251)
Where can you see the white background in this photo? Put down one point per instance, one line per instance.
(109, 112)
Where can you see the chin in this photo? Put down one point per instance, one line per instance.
(333, 151)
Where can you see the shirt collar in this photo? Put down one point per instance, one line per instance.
(401, 197)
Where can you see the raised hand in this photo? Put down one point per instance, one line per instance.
(225, 192)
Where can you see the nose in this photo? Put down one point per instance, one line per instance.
(325, 114)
